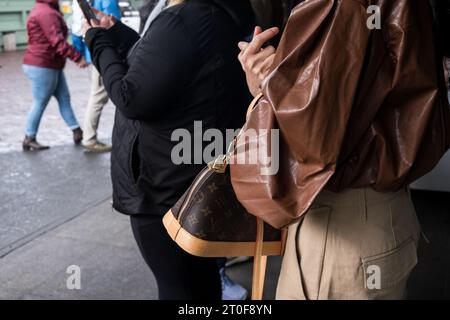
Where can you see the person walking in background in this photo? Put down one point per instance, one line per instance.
(43, 63)
(77, 31)
(98, 96)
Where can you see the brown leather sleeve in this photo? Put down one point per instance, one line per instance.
(308, 97)
(355, 107)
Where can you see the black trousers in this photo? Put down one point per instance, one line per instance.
(179, 275)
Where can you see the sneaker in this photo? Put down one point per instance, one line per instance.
(230, 289)
(97, 147)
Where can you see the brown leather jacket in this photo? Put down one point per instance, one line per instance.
(355, 107)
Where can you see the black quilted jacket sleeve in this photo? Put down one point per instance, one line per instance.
(158, 72)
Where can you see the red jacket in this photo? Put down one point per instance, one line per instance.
(47, 33)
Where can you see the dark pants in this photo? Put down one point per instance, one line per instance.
(180, 276)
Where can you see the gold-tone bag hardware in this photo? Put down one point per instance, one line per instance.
(220, 164)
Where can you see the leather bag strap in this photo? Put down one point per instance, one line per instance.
(253, 104)
(251, 107)
(221, 162)
(260, 263)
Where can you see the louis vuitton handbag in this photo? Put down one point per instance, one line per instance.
(209, 221)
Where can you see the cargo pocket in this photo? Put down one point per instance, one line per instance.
(386, 274)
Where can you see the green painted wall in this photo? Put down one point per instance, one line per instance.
(13, 15)
(136, 3)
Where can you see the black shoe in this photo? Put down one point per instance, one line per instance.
(30, 144)
(77, 136)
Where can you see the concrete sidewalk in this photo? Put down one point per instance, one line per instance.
(40, 191)
(55, 212)
(100, 242)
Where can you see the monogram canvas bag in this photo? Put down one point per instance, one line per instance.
(209, 221)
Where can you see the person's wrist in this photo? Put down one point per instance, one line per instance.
(78, 60)
(115, 26)
(90, 35)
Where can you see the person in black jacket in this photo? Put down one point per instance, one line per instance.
(184, 69)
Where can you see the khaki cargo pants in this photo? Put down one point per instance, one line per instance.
(357, 244)
(97, 100)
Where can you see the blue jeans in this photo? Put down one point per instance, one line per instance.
(81, 47)
(46, 83)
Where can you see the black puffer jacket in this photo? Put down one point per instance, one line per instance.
(185, 69)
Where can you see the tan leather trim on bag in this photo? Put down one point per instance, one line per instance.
(202, 248)
(254, 103)
(260, 263)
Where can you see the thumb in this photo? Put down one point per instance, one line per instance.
(98, 12)
(95, 23)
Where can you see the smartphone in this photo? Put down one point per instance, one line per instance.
(87, 10)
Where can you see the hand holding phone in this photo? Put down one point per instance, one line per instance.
(101, 20)
(88, 13)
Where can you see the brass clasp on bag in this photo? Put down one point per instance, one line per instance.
(220, 164)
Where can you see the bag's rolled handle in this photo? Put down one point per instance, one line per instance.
(253, 104)
(220, 163)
